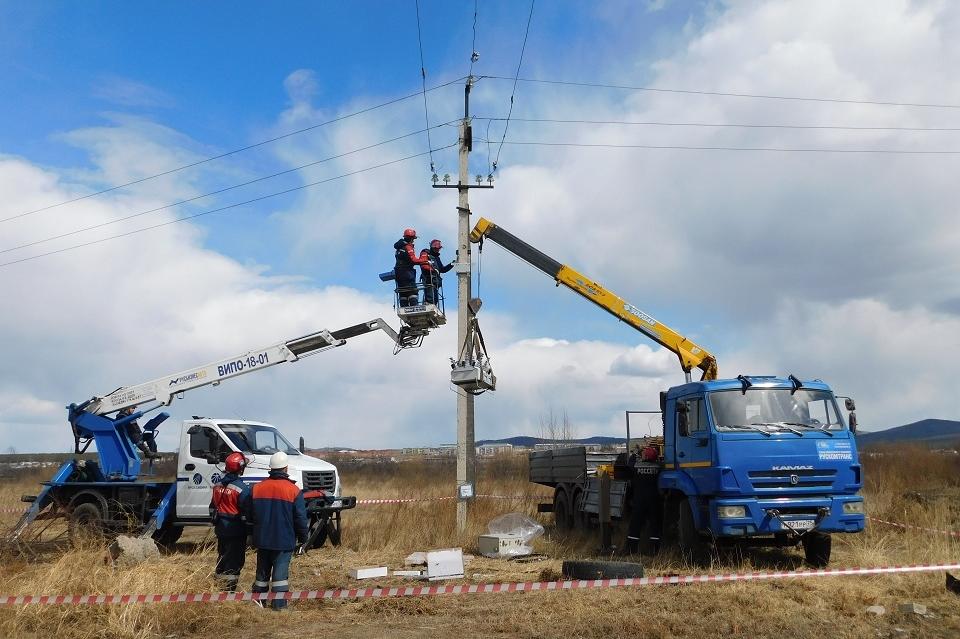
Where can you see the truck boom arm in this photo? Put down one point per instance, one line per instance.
(691, 355)
(165, 388)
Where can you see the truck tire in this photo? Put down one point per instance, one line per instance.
(693, 546)
(561, 510)
(601, 570)
(86, 524)
(816, 548)
(168, 536)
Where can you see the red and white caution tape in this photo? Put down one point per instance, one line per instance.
(428, 499)
(474, 589)
(952, 533)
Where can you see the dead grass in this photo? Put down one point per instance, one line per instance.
(913, 486)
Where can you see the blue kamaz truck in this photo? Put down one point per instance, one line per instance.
(764, 460)
(751, 461)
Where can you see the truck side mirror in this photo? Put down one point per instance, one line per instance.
(850, 404)
(682, 424)
(193, 430)
(853, 422)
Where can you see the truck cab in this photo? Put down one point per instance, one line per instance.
(205, 443)
(757, 457)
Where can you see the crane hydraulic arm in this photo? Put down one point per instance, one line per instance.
(117, 456)
(691, 355)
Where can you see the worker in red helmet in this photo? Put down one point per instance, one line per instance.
(404, 271)
(430, 273)
(229, 510)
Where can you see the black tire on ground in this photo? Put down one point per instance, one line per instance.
(168, 536)
(86, 524)
(601, 569)
(693, 546)
(561, 510)
(816, 548)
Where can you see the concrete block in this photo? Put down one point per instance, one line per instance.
(913, 608)
(368, 572)
(408, 573)
(879, 611)
(129, 551)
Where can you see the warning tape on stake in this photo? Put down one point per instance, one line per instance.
(952, 533)
(470, 589)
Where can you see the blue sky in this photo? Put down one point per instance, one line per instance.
(778, 262)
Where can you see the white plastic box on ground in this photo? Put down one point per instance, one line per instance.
(502, 545)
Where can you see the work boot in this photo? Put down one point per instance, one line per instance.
(147, 453)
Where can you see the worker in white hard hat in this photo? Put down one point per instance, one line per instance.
(279, 526)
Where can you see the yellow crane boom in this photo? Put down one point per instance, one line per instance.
(691, 355)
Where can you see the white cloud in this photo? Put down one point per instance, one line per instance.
(840, 267)
(130, 93)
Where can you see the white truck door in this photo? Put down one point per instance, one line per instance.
(195, 474)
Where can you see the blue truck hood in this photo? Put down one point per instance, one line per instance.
(785, 464)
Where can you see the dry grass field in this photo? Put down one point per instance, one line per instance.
(913, 486)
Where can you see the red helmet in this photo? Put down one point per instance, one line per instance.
(235, 463)
(409, 234)
(435, 244)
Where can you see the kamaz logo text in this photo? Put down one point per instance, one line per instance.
(791, 468)
(188, 378)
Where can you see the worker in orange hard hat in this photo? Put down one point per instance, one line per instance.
(430, 272)
(404, 271)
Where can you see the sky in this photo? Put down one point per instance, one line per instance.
(829, 257)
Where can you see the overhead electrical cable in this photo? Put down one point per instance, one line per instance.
(474, 56)
(732, 126)
(628, 87)
(231, 152)
(423, 79)
(222, 208)
(681, 147)
(516, 76)
(217, 192)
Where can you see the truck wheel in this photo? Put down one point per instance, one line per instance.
(693, 546)
(561, 511)
(168, 536)
(86, 524)
(816, 548)
(601, 569)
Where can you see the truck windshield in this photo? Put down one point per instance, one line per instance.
(256, 439)
(775, 407)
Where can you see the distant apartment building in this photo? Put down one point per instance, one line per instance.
(492, 450)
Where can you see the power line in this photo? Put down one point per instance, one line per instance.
(217, 192)
(735, 126)
(222, 208)
(723, 94)
(735, 148)
(229, 153)
(474, 56)
(423, 79)
(515, 78)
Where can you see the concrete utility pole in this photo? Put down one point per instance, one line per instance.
(466, 447)
(466, 441)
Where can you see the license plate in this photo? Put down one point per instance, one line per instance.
(801, 524)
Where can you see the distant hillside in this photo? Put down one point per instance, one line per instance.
(929, 432)
(529, 442)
